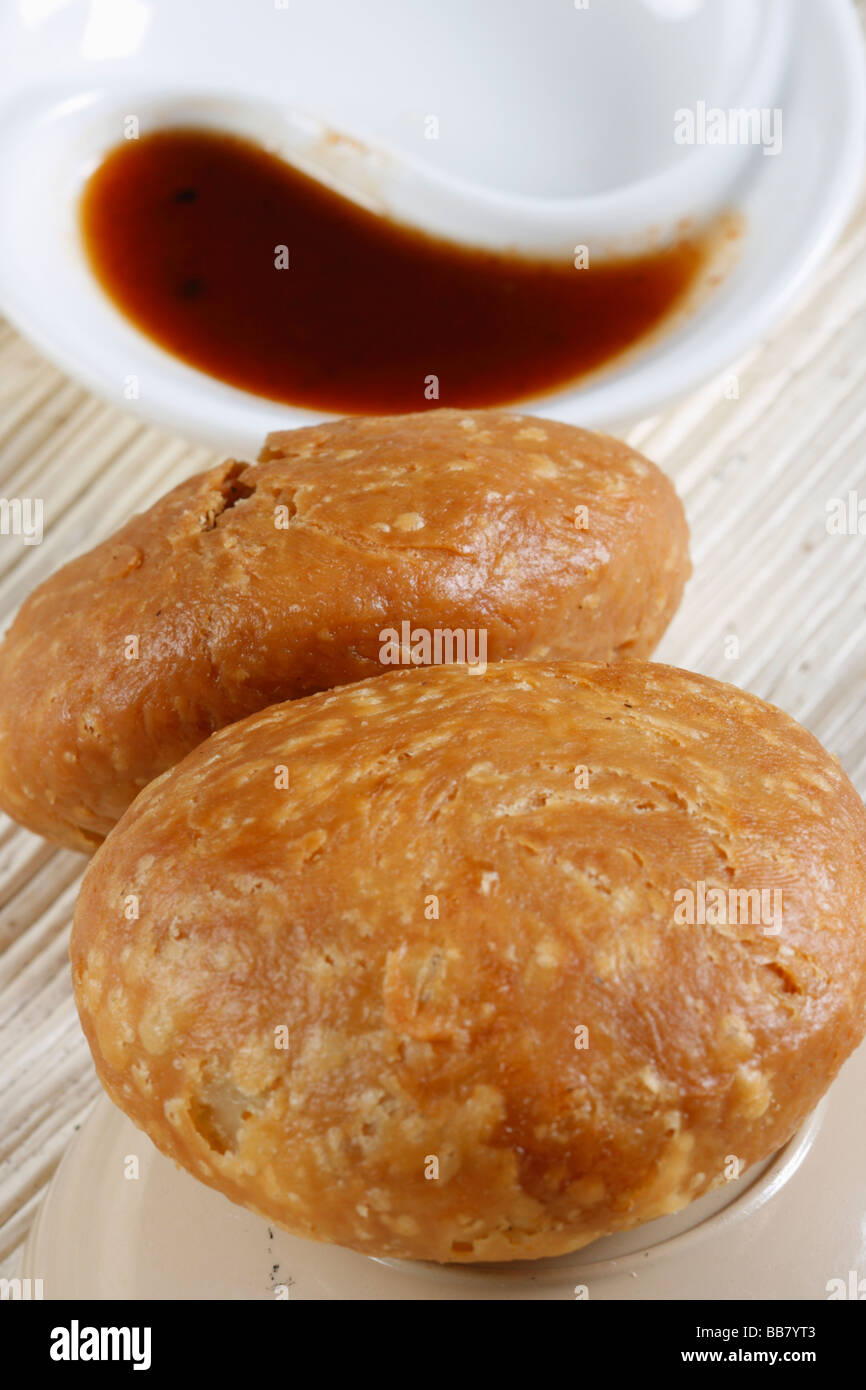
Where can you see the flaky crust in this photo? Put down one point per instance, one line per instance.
(550, 814)
(445, 519)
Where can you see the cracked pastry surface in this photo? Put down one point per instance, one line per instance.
(366, 930)
(252, 584)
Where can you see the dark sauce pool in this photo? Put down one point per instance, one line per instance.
(181, 229)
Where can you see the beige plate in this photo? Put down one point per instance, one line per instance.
(784, 1230)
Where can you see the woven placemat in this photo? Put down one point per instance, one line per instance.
(777, 605)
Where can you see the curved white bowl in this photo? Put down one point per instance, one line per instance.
(555, 127)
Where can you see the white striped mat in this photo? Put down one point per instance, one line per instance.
(755, 472)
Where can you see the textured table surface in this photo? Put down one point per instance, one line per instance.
(777, 605)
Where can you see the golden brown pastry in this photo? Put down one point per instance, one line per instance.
(480, 968)
(249, 585)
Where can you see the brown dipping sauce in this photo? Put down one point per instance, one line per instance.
(181, 228)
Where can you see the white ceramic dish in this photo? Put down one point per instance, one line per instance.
(786, 1230)
(555, 124)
